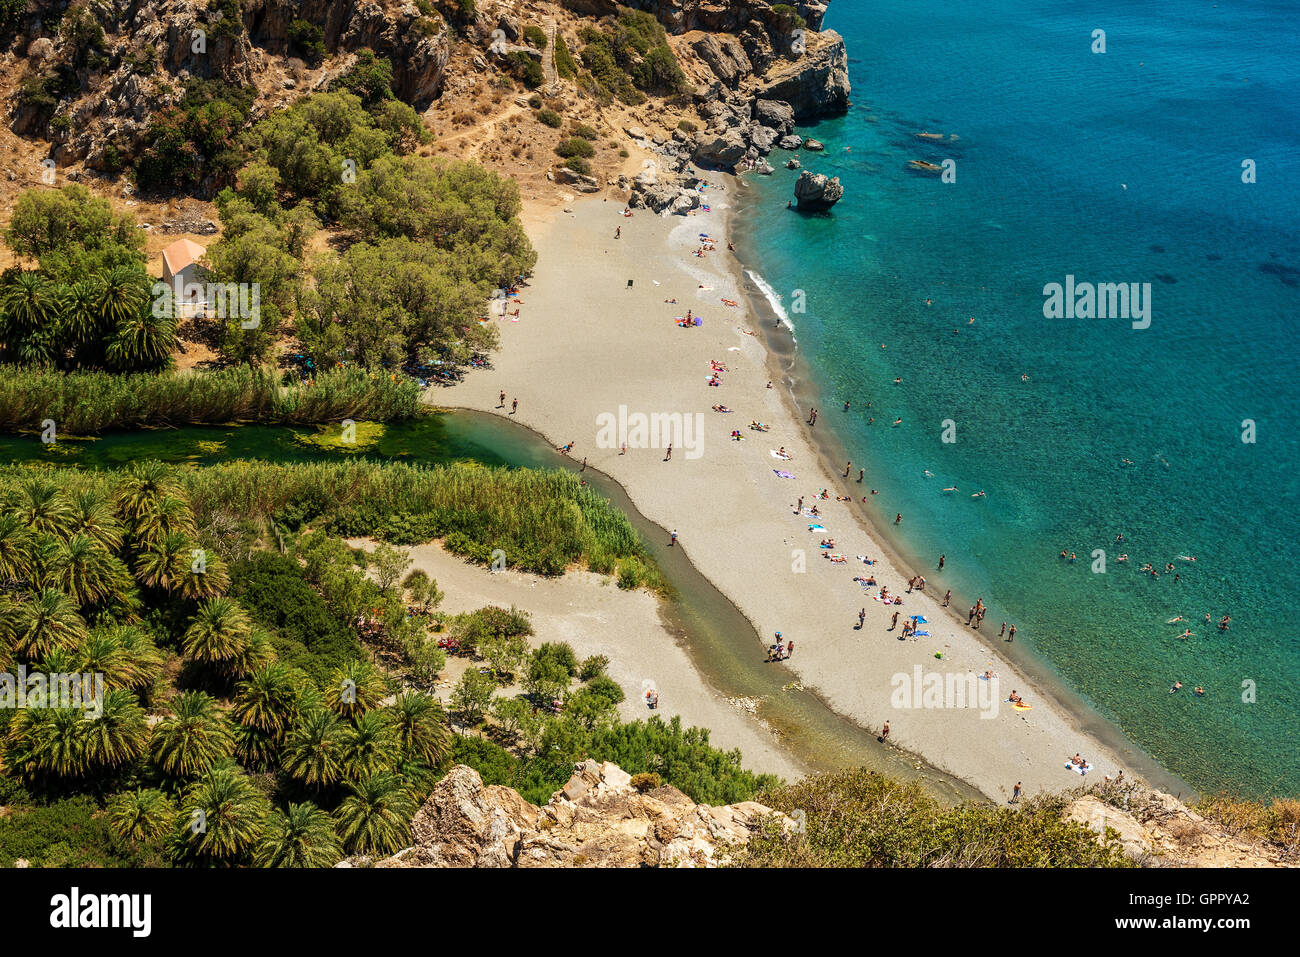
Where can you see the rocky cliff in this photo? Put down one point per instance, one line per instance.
(598, 819)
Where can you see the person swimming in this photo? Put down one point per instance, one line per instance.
(1186, 634)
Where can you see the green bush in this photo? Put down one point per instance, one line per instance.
(308, 634)
(686, 126)
(857, 818)
(307, 40)
(535, 36)
(550, 118)
(575, 146)
(527, 69)
(73, 832)
(578, 165)
(584, 131)
(565, 67)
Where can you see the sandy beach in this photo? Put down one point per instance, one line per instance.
(596, 617)
(596, 346)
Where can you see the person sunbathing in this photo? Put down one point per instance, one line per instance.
(828, 543)
(720, 408)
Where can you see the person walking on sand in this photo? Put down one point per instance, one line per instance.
(862, 617)
(1015, 794)
(669, 456)
(502, 403)
(893, 624)
(673, 541)
(1003, 631)
(799, 508)
(947, 598)
(846, 468)
(618, 233)
(884, 734)
(514, 406)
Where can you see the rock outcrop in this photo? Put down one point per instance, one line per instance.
(816, 193)
(597, 820)
(1156, 829)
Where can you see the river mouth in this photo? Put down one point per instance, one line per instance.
(721, 642)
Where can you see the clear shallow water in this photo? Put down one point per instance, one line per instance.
(1047, 133)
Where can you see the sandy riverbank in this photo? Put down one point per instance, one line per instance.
(586, 344)
(596, 617)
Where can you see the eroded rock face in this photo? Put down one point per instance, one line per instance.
(597, 820)
(817, 84)
(813, 191)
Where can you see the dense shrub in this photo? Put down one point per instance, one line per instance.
(307, 40)
(550, 118)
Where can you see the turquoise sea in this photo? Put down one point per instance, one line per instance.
(1123, 166)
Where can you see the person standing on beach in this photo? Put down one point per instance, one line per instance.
(884, 733)
(1015, 794)
(799, 508)
(584, 464)
(514, 406)
(893, 624)
(947, 598)
(1011, 635)
(846, 468)
(673, 541)
(970, 616)
(898, 519)
(1003, 631)
(618, 233)
(861, 473)
(669, 456)
(502, 403)
(862, 617)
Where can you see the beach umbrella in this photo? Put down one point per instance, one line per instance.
(920, 618)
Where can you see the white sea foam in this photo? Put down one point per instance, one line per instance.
(773, 299)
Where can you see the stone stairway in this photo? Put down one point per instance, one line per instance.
(550, 78)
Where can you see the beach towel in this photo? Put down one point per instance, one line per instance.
(922, 634)
(1070, 766)
(782, 474)
(778, 455)
(837, 559)
(816, 528)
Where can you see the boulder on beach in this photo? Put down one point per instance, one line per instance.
(777, 114)
(723, 149)
(816, 193)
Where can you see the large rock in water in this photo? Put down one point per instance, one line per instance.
(597, 820)
(813, 191)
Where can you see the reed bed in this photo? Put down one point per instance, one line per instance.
(84, 403)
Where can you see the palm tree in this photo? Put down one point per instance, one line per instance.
(44, 621)
(314, 751)
(376, 817)
(81, 321)
(163, 560)
(169, 515)
(100, 652)
(145, 484)
(258, 652)
(16, 541)
(218, 633)
(268, 701)
(142, 342)
(30, 306)
(43, 508)
(197, 580)
(121, 293)
(59, 746)
(90, 574)
(92, 516)
(142, 662)
(140, 815)
(420, 726)
(193, 739)
(222, 818)
(301, 836)
(354, 689)
(369, 746)
(120, 732)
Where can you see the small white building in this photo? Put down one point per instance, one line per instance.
(181, 268)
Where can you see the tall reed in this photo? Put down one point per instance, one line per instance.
(82, 403)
